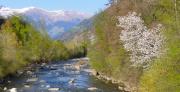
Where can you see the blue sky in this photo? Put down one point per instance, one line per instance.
(88, 6)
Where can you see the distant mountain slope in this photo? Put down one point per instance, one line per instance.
(76, 31)
(56, 22)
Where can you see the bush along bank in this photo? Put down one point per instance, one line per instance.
(136, 42)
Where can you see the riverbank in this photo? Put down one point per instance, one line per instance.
(122, 86)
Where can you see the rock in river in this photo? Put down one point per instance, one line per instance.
(71, 81)
(27, 86)
(13, 90)
(92, 88)
(53, 89)
(29, 72)
(32, 80)
(5, 88)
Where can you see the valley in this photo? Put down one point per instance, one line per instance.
(127, 46)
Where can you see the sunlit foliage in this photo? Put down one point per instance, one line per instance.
(21, 44)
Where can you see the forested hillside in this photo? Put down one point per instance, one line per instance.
(22, 44)
(137, 42)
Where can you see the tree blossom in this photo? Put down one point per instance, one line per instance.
(143, 43)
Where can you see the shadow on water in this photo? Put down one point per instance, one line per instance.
(57, 77)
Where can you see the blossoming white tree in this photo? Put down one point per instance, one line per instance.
(143, 43)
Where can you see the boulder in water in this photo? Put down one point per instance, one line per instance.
(29, 72)
(32, 80)
(92, 88)
(43, 64)
(77, 67)
(71, 81)
(53, 89)
(13, 90)
(9, 81)
(27, 86)
(5, 88)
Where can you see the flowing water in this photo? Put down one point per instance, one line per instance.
(57, 77)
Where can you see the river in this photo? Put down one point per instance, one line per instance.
(57, 77)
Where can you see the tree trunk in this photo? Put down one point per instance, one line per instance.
(175, 8)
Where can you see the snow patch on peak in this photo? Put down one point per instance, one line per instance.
(23, 10)
(54, 15)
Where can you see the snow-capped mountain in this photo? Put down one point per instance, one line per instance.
(56, 22)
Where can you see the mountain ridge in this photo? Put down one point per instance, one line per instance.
(6, 11)
(56, 22)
